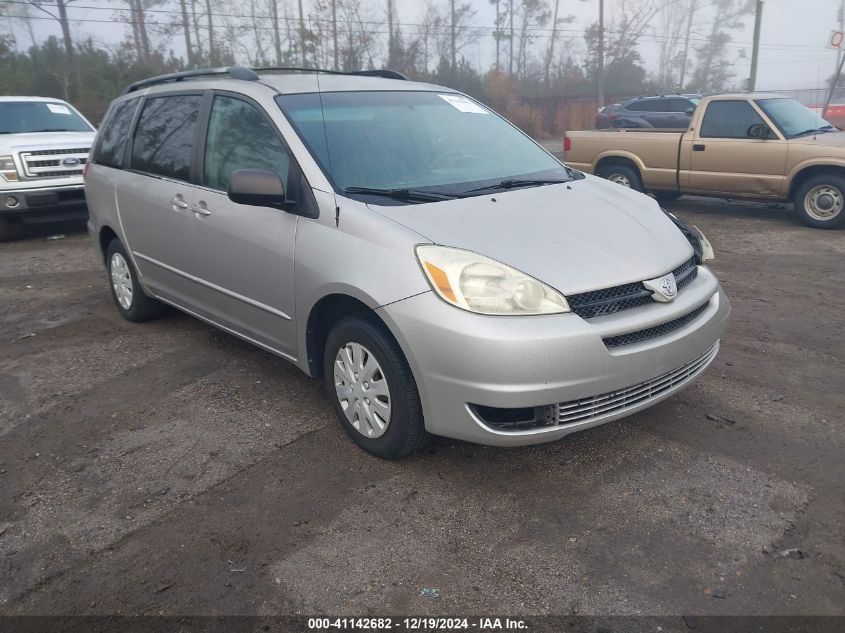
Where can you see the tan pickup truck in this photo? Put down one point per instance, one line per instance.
(756, 146)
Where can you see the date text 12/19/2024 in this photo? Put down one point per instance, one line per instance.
(416, 624)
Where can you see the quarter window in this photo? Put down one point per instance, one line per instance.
(164, 140)
(241, 137)
(111, 140)
(728, 119)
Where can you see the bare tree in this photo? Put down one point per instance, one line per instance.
(58, 11)
(186, 28)
(713, 71)
(277, 35)
(532, 13)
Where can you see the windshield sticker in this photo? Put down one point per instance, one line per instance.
(463, 104)
(58, 108)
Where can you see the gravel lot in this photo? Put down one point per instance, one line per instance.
(170, 468)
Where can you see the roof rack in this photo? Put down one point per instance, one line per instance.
(384, 73)
(235, 72)
(251, 74)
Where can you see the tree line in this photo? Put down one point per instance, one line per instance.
(540, 55)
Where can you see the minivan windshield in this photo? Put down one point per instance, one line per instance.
(418, 142)
(793, 118)
(20, 117)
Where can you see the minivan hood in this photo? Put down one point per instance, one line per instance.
(584, 235)
(35, 141)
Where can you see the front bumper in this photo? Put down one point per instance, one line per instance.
(461, 359)
(44, 204)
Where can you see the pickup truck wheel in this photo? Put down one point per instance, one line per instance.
(820, 202)
(622, 174)
(372, 389)
(7, 230)
(128, 296)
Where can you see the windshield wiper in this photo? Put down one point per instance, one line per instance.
(513, 184)
(54, 129)
(410, 195)
(815, 130)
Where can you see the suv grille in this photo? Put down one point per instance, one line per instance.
(47, 163)
(652, 332)
(611, 403)
(596, 303)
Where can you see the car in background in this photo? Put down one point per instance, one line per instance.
(664, 111)
(44, 145)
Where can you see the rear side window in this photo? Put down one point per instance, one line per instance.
(728, 119)
(164, 138)
(680, 105)
(111, 140)
(652, 105)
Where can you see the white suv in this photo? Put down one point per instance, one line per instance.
(44, 145)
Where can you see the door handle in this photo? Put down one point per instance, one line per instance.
(179, 203)
(200, 209)
(698, 147)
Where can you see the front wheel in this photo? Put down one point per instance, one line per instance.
(622, 174)
(820, 202)
(374, 394)
(7, 229)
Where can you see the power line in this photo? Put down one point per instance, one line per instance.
(538, 32)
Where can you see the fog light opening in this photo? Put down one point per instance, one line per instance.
(513, 418)
(11, 202)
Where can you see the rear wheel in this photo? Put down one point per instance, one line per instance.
(127, 293)
(622, 174)
(374, 394)
(820, 201)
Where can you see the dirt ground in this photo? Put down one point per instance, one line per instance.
(171, 468)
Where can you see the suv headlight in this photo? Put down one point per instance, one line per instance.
(700, 244)
(482, 285)
(7, 168)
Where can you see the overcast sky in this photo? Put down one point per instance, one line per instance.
(793, 53)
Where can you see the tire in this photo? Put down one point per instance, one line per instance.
(820, 201)
(7, 229)
(666, 196)
(134, 306)
(622, 174)
(364, 339)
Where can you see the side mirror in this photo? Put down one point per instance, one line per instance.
(689, 111)
(259, 188)
(759, 130)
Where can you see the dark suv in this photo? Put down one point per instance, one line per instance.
(665, 111)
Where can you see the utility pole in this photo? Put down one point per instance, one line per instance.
(833, 85)
(600, 73)
(755, 51)
(841, 30)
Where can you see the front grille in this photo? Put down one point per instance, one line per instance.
(59, 174)
(47, 163)
(54, 152)
(614, 402)
(597, 303)
(652, 332)
(685, 273)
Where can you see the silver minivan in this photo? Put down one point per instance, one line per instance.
(435, 267)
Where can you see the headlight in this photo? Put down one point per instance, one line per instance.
(706, 248)
(8, 169)
(700, 244)
(479, 284)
